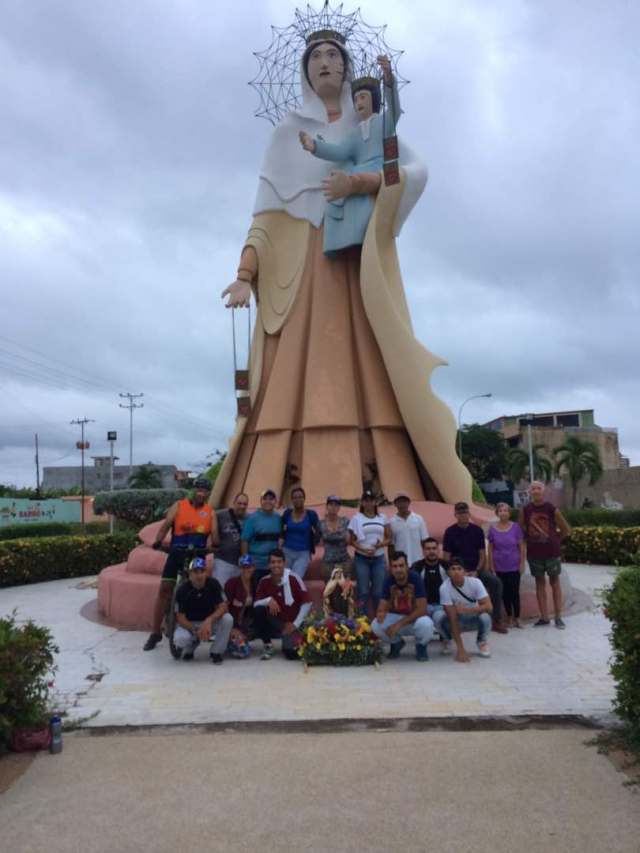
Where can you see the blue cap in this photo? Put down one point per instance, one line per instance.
(198, 564)
(246, 560)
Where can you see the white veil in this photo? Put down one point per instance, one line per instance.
(290, 177)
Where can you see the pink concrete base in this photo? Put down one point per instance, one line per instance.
(127, 592)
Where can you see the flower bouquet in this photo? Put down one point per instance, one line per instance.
(339, 641)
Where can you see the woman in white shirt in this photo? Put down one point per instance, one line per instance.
(369, 534)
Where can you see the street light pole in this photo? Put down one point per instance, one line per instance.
(468, 400)
(82, 445)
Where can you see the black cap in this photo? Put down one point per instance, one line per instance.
(368, 495)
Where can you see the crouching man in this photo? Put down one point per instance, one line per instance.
(281, 605)
(467, 607)
(202, 609)
(403, 610)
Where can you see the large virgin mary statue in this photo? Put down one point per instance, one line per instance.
(339, 386)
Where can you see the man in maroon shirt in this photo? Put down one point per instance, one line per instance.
(544, 528)
(282, 602)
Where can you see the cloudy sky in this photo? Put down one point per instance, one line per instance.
(128, 166)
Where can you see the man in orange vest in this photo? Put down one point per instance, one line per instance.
(192, 522)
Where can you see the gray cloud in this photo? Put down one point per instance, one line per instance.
(128, 162)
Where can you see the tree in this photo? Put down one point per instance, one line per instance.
(518, 464)
(578, 459)
(212, 472)
(146, 477)
(483, 452)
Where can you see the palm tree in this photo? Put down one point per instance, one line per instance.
(146, 477)
(518, 464)
(578, 459)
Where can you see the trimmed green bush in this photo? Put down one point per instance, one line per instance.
(46, 559)
(602, 517)
(622, 606)
(26, 667)
(137, 506)
(616, 546)
(52, 528)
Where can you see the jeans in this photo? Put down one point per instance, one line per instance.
(422, 629)
(493, 586)
(269, 627)
(297, 561)
(370, 576)
(222, 571)
(467, 622)
(186, 640)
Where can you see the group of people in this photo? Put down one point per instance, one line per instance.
(257, 590)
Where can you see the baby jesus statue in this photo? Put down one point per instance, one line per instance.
(360, 152)
(339, 595)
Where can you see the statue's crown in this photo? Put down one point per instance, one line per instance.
(325, 35)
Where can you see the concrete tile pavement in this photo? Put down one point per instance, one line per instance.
(104, 675)
(480, 792)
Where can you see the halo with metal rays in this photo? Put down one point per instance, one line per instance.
(278, 78)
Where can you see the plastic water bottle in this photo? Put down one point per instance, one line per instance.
(55, 727)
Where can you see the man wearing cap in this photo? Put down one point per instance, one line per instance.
(240, 593)
(227, 552)
(193, 524)
(282, 603)
(408, 529)
(466, 541)
(432, 572)
(201, 610)
(261, 532)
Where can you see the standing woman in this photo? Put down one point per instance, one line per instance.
(370, 534)
(301, 531)
(335, 538)
(506, 558)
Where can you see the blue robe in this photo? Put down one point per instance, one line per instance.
(346, 219)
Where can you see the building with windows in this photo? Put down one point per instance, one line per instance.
(550, 429)
(96, 478)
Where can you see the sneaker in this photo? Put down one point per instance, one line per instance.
(560, 623)
(217, 659)
(421, 653)
(540, 622)
(267, 652)
(445, 647)
(483, 650)
(187, 656)
(396, 648)
(152, 642)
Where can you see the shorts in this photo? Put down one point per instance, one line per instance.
(550, 565)
(174, 564)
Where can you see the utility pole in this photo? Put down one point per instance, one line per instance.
(131, 406)
(112, 436)
(37, 470)
(82, 445)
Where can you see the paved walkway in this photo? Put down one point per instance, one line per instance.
(106, 679)
(481, 792)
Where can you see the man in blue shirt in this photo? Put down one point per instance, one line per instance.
(261, 532)
(403, 610)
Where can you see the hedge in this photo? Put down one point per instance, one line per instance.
(622, 606)
(52, 528)
(25, 561)
(137, 506)
(602, 517)
(618, 546)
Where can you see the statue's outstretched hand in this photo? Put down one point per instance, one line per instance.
(337, 185)
(239, 294)
(307, 142)
(385, 65)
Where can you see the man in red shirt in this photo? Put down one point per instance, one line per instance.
(544, 528)
(282, 602)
